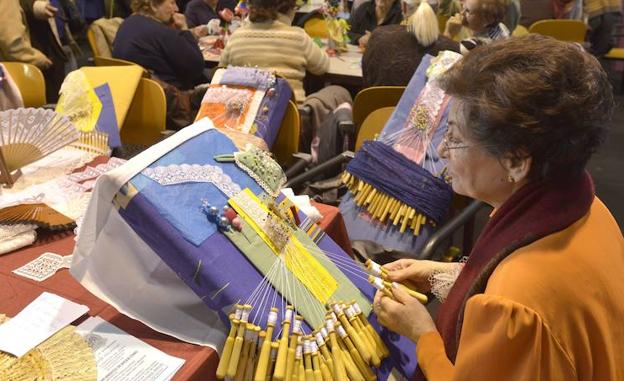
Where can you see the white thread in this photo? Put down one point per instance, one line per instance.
(289, 314)
(299, 352)
(342, 332)
(297, 326)
(330, 325)
(357, 308)
(239, 313)
(272, 319)
(319, 339)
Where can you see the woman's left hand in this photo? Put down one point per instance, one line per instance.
(404, 315)
(179, 21)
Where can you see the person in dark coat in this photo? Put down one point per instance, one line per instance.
(199, 12)
(394, 51)
(370, 15)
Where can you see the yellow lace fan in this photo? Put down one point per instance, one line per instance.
(28, 134)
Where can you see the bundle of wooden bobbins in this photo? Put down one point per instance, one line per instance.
(379, 279)
(346, 347)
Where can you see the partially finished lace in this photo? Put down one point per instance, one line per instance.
(193, 173)
(443, 280)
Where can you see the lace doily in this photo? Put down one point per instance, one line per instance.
(261, 167)
(441, 63)
(443, 280)
(193, 173)
(248, 76)
(53, 166)
(421, 124)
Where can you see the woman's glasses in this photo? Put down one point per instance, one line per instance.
(450, 143)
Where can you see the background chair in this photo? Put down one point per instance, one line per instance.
(442, 19)
(373, 98)
(616, 54)
(29, 79)
(287, 141)
(372, 125)
(146, 118)
(520, 31)
(563, 30)
(101, 34)
(316, 27)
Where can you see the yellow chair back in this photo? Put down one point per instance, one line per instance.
(373, 98)
(442, 19)
(109, 61)
(563, 30)
(147, 116)
(30, 82)
(520, 31)
(372, 125)
(316, 27)
(93, 43)
(287, 141)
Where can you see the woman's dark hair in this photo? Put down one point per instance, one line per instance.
(144, 6)
(267, 10)
(534, 96)
(492, 11)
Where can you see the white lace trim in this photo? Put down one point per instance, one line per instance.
(193, 173)
(443, 280)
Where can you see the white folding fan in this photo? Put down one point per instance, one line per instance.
(28, 134)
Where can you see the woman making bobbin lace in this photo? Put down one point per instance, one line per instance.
(542, 285)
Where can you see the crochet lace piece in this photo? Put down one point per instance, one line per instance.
(262, 168)
(443, 280)
(193, 173)
(248, 76)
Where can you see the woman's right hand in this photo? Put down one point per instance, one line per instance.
(453, 25)
(414, 273)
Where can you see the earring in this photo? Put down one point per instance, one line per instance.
(510, 179)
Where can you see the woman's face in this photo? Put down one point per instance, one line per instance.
(474, 172)
(471, 16)
(164, 12)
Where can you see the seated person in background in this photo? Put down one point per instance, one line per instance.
(15, 38)
(199, 12)
(370, 15)
(269, 42)
(157, 38)
(539, 294)
(394, 51)
(484, 18)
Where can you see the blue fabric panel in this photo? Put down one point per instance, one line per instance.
(180, 204)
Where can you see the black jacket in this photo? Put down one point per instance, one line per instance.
(172, 54)
(365, 19)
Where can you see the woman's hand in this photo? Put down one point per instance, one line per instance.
(453, 25)
(414, 273)
(43, 10)
(200, 31)
(363, 41)
(404, 315)
(179, 21)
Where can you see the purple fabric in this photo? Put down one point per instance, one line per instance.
(221, 263)
(269, 123)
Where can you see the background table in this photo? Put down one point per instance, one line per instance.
(345, 68)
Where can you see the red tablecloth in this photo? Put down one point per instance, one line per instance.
(17, 292)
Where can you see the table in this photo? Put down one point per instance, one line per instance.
(17, 292)
(345, 68)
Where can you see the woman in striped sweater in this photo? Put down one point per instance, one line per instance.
(269, 42)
